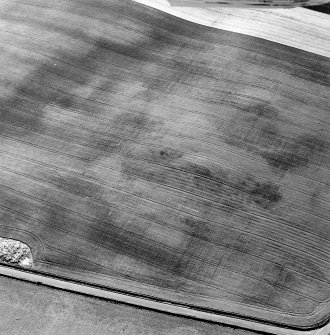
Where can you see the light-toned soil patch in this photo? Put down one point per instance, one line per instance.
(15, 253)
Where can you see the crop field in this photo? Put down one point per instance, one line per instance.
(149, 154)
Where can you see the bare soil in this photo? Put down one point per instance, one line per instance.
(146, 153)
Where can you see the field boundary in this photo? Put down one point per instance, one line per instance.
(143, 302)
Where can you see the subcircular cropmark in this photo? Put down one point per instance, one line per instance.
(15, 252)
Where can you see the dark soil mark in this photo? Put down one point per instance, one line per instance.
(198, 246)
(313, 73)
(231, 190)
(198, 170)
(255, 126)
(125, 130)
(170, 154)
(168, 267)
(265, 194)
(262, 110)
(297, 153)
(279, 280)
(259, 131)
(217, 183)
(10, 201)
(284, 277)
(56, 219)
(237, 244)
(172, 72)
(50, 84)
(149, 52)
(156, 154)
(72, 259)
(279, 275)
(78, 186)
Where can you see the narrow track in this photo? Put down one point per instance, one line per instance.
(69, 285)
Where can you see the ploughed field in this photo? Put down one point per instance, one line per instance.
(150, 154)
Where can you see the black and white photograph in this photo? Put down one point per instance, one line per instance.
(164, 167)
